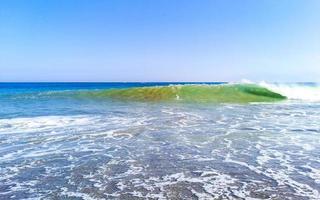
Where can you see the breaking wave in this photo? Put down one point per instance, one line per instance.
(224, 93)
(245, 92)
(297, 91)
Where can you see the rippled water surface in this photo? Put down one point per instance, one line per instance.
(54, 147)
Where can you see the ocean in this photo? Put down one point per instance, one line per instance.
(160, 141)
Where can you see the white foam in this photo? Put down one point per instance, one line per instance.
(76, 194)
(295, 91)
(41, 123)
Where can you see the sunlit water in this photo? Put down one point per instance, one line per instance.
(54, 147)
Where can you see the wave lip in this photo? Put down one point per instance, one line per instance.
(225, 93)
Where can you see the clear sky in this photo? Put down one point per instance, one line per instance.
(159, 40)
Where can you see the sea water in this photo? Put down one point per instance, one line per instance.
(57, 145)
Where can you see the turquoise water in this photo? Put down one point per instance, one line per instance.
(58, 142)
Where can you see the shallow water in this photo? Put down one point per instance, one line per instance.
(54, 147)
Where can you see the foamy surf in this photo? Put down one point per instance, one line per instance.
(93, 144)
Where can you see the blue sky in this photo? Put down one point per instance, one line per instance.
(164, 40)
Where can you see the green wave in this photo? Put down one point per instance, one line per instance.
(226, 93)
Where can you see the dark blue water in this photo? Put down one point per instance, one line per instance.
(25, 87)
